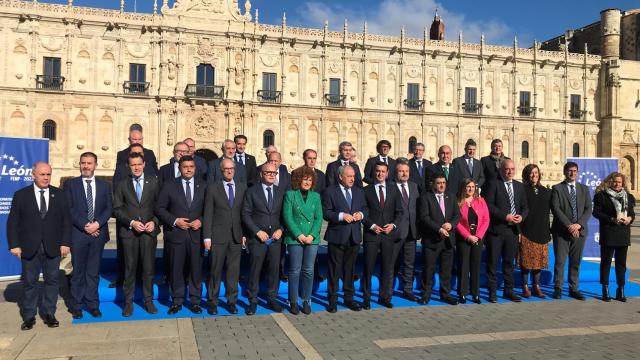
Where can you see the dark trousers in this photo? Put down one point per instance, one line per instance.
(342, 262)
(87, 254)
(227, 257)
(442, 252)
(606, 254)
(388, 253)
(139, 250)
(571, 247)
(31, 269)
(503, 246)
(119, 257)
(408, 252)
(183, 256)
(258, 253)
(469, 260)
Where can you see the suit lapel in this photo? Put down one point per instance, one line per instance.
(434, 199)
(304, 206)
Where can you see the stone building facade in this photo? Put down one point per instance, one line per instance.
(209, 70)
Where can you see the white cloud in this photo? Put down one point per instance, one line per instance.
(389, 16)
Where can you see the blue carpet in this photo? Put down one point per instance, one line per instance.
(111, 299)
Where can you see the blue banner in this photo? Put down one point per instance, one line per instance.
(16, 159)
(591, 172)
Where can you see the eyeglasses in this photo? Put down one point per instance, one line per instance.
(273, 173)
(228, 169)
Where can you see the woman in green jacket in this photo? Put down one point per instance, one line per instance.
(302, 212)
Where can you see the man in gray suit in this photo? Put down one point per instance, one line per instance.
(228, 152)
(222, 232)
(408, 232)
(571, 208)
(134, 203)
(468, 166)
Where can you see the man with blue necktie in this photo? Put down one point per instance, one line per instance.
(418, 166)
(90, 204)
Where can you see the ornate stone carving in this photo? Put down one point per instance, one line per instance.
(203, 125)
(470, 75)
(413, 72)
(334, 67)
(138, 50)
(269, 60)
(206, 47)
(524, 79)
(171, 134)
(52, 44)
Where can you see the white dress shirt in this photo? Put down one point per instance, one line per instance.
(36, 191)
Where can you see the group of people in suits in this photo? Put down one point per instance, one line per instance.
(215, 209)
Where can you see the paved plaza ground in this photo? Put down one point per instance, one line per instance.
(567, 329)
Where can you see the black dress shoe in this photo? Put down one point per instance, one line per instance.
(386, 303)
(96, 313)
(232, 309)
(557, 294)
(409, 296)
(76, 314)
(449, 300)
(366, 304)
(476, 299)
(150, 308)
(493, 298)
(195, 308)
(576, 295)
(332, 308)
(356, 277)
(50, 321)
(353, 305)
(306, 307)
(294, 309)
(424, 300)
(510, 295)
(174, 309)
(462, 300)
(605, 293)
(212, 310)
(274, 306)
(28, 324)
(620, 294)
(128, 310)
(251, 310)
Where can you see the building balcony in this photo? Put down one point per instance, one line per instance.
(49, 82)
(136, 88)
(270, 96)
(414, 105)
(335, 100)
(204, 91)
(471, 108)
(576, 114)
(526, 111)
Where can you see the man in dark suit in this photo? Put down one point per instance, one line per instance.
(383, 147)
(249, 161)
(90, 204)
(571, 208)
(214, 174)
(443, 167)
(223, 235)
(171, 171)
(201, 163)
(38, 233)
(491, 163)
(136, 137)
(343, 207)
(345, 158)
(310, 158)
(261, 218)
(384, 203)
(418, 166)
(408, 230)
(180, 208)
(468, 167)
(439, 216)
(134, 203)
(508, 207)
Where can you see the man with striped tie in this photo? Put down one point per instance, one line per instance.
(418, 166)
(571, 208)
(508, 207)
(89, 201)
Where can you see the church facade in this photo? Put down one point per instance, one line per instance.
(207, 69)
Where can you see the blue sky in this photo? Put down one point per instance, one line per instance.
(500, 20)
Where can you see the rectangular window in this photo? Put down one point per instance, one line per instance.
(269, 81)
(470, 100)
(413, 92)
(334, 87)
(575, 109)
(51, 67)
(205, 75)
(525, 103)
(137, 78)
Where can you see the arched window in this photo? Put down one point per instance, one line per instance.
(412, 144)
(576, 150)
(49, 129)
(525, 150)
(268, 138)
